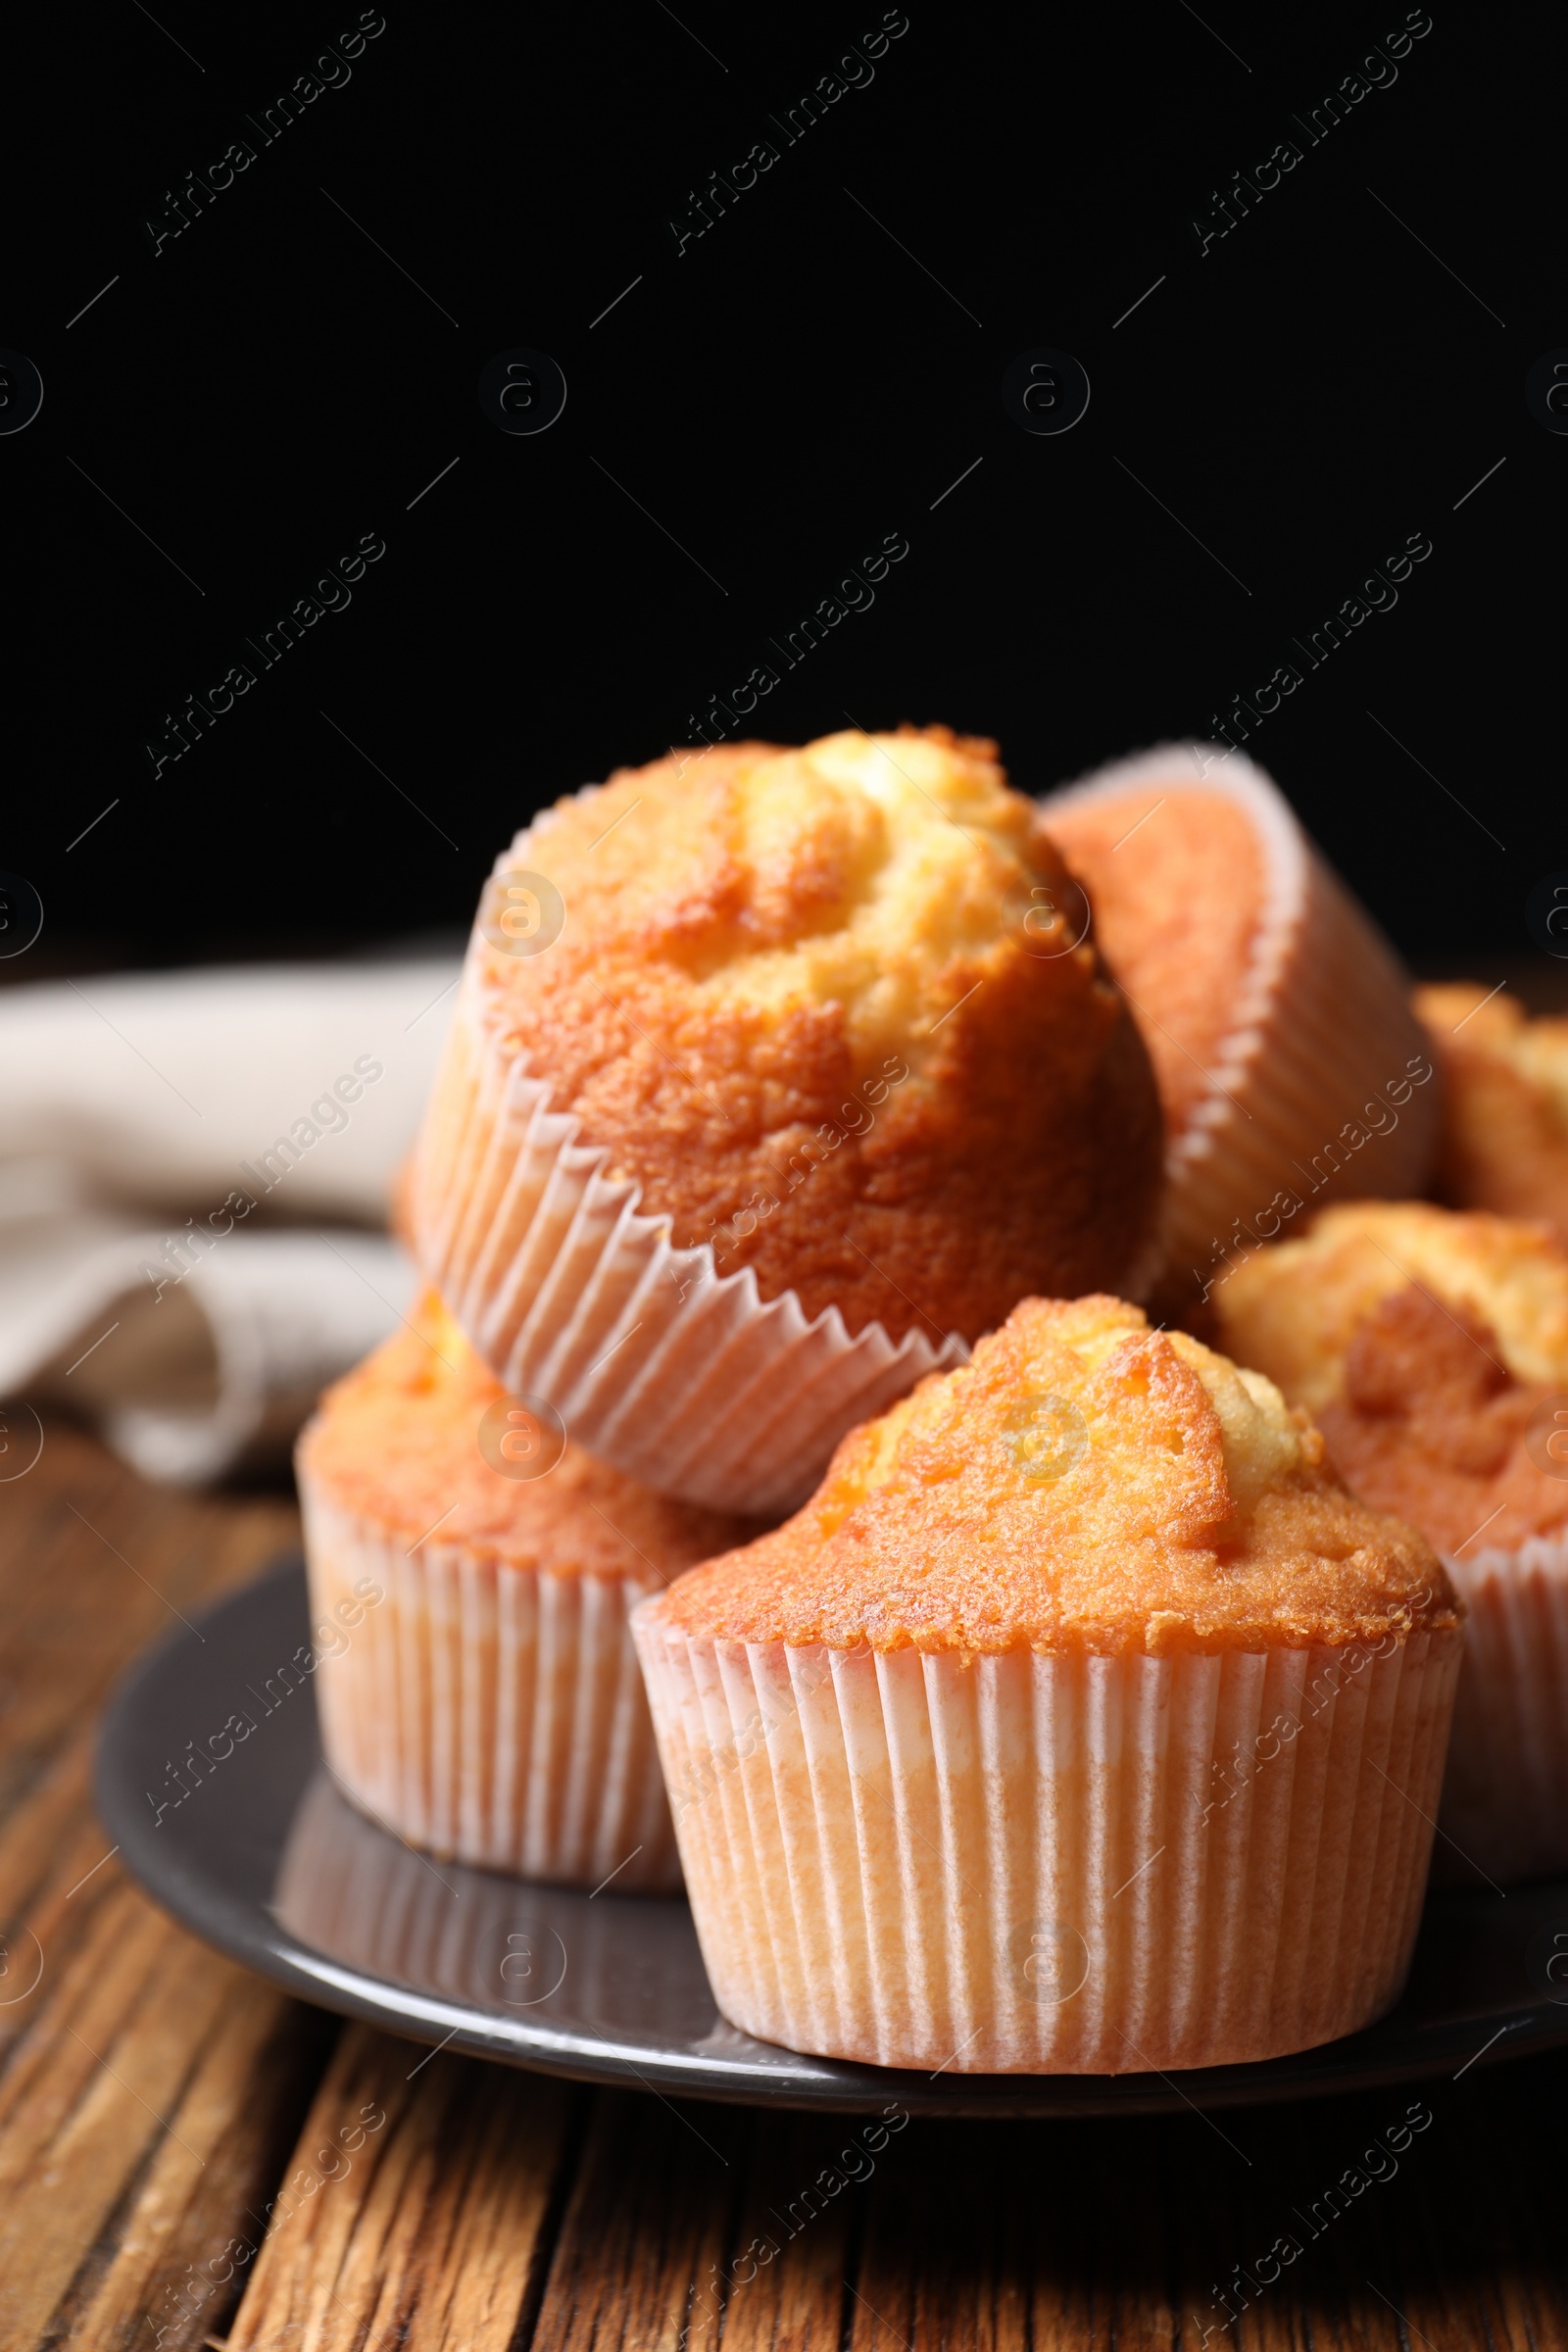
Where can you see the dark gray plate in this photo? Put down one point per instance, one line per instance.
(265, 1859)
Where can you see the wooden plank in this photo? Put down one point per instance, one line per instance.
(1149, 2231)
(141, 2110)
(414, 2209)
(173, 2259)
(1475, 2251)
(651, 2219)
(977, 2239)
(942, 2260)
(1069, 2266)
(795, 2245)
(147, 2087)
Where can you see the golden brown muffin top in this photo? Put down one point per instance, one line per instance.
(1177, 882)
(1495, 1024)
(1427, 1343)
(836, 1012)
(877, 873)
(1505, 1137)
(1431, 1425)
(1084, 1484)
(1293, 1308)
(396, 1442)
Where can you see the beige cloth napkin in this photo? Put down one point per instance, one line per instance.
(194, 1168)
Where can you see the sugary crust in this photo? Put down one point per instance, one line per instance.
(800, 998)
(1504, 1135)
(1292, 1309)
(395, 1442)
(1179, 1509)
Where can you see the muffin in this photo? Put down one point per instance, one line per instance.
(1291, 1067)
(1503, 1142)
(1081, 1721)
(815, 1073)
(1432, 1347)
(478, 1686)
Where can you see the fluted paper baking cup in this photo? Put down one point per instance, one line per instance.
(1504, 1810)
(675, 1374)
(1321, 1025)
(491, 1713)
(1052, 1864)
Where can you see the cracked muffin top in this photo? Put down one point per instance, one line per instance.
(832, 1008)
(1432, 1347)
(1085, 1482)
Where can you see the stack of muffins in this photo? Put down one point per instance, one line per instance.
(784, 1429)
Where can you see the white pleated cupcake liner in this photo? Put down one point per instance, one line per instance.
(487, 1712)
(1321, 1025)
(1052, 1864)
(675, 1374)
(1506, 1795)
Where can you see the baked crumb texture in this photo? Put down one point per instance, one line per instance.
(1289, 1062)
(822, 1072)
(395, 1444)
(1194, 1514)
(1505, 1138)
(1433, 1347)
(1127, 1765)
(751, 957)
(1424, 1341)
(478, 1690)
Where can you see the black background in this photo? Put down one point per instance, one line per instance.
(779, 396)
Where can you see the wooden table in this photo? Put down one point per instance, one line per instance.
(188, 2157)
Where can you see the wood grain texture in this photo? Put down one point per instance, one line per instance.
(796, 2242)
(413, 2210)
(186, 2157)
(650, 2221)
(148, 2088)
(168, 2256)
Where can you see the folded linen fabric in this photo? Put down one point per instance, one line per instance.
(192, 1168)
